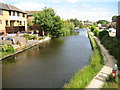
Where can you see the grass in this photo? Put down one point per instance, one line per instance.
(9, 50)
(82, 78)
(112, 83)
(113, 46)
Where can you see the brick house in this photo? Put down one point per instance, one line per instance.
(12, 19)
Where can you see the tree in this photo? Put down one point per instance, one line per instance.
(68, 28)
(49, 21)
(75, 21)
(114, 18)
(102, 22)
(95, 24)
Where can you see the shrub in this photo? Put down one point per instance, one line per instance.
(92, 28)
(27, 36)
(7, 48)
(34, 37)
(103, 33)
(10, 49)
(96, 32)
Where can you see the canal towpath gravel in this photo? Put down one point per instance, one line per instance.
(110, 61)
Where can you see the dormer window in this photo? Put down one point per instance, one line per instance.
(1, 12)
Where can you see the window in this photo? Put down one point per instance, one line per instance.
(13, 13)
(23, 15)
(1, 12)
(18, 14)
(10, 13)
(0, 21)
(6, 23)
(24, 22)
(20, 22)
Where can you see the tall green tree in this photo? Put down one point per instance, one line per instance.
(114, 18)
(75, 21)
(102, 22)
(49, 21)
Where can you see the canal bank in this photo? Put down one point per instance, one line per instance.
(27, 46)
(83, 77)
(109, 62)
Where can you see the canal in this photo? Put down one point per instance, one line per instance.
(47, 65)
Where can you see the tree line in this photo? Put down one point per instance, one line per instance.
(49, 22)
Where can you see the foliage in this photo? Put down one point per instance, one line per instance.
(102, 22)
(95, 24)
(114, 18)
(27, 36)
(75, 21)
(96, 32)
(81, 25)
(34, 37)
(112, 83)
(67, 29)
(113, 46)
(103, 33)
(49, 21)
(6, 48)
(92, 28)
(82, 78)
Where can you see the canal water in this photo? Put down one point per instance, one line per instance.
(48, 65)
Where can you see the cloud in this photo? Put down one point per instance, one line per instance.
(84, 5)
(3, 1)
(56, 1)
(72, 1)
(87, 15)
(30, 6)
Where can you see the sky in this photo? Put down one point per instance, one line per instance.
(92, 10)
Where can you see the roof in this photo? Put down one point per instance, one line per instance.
(30, 13)
(4, 6)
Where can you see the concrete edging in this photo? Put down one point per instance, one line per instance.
(27, 47)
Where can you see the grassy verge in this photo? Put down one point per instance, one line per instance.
(113, 46)
(112, 83)
(82, 78)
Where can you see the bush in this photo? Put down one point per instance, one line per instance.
(92, 28)
(96, 32)
(10, 49)
(7, 48)
(103, 33)
(27, 36)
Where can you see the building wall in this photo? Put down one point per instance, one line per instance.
(10, 18)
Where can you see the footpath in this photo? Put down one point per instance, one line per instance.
(110, 61)
(27, 46)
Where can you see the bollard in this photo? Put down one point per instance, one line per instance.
(115, 71)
